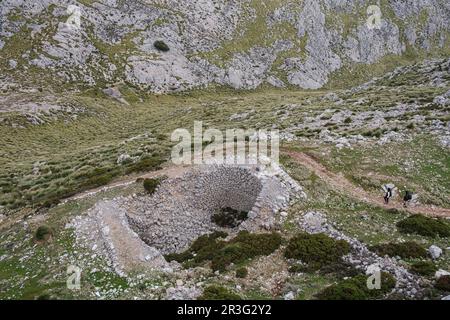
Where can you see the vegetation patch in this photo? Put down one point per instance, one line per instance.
(203, 245)
(241, 272)
(43, 233)
(356, 289)
(424, 268)
(340, 269)
(408, 249)
(161, 46)
(229, 218)
(145, 164)
(316, 250)
(215, 292)
(150, 185)
(443, 283)
(424, 226)
(243, 247)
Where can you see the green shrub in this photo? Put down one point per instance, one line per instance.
(43, 233)
(229, 218)
(443, 283)
(241, 272)
(424, 226)
(202, 246)
(316, 250)
(356, 289)
(408, 249)
(179, 257)
(348, 120)
(150, 185)
(245, 246)
(218, 293)
(424, 268)
(161, 45)
(222, 253)
(345, 290)
(207, 240)
(341, 269)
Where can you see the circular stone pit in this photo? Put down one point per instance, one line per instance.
(180, 210)
(135, 231)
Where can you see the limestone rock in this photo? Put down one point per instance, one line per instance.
(435, 251)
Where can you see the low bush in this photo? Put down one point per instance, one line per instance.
(241, 272)
(43, 233)
(356, 289)
(179, 257)
(229, 218)
(408, 249)
(340, 269)
(207, 240)
(424, 226)
(424, 268)
(203, 245)
(218, 293)
(443, 283)
(222, 253)
(316, 250)
(245, 246)
(150, 185)
(161, 45)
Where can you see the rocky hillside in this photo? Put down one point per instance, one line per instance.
(239, 43)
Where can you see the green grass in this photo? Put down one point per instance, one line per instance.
(33, 271)
(420, 165)
(370, 224)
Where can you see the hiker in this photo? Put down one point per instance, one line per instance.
(407, 198)
(388, 192)
(387, 195)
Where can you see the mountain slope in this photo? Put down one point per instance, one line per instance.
(239, 43)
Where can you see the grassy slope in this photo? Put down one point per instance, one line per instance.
(76, 148)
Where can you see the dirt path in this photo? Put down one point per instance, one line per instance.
(336, 181)
(340, 183)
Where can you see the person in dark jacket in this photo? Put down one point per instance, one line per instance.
(388, 192)
(387, 195)
(407, 198)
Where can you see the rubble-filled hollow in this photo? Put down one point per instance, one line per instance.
(181, 209)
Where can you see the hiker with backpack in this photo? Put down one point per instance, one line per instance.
(407, 198)
(388, 192)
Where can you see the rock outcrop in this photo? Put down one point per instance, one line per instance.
(237, 43)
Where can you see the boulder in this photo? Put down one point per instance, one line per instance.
(441, 273)
(435, 251)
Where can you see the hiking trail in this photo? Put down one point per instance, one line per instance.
(340, 183)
